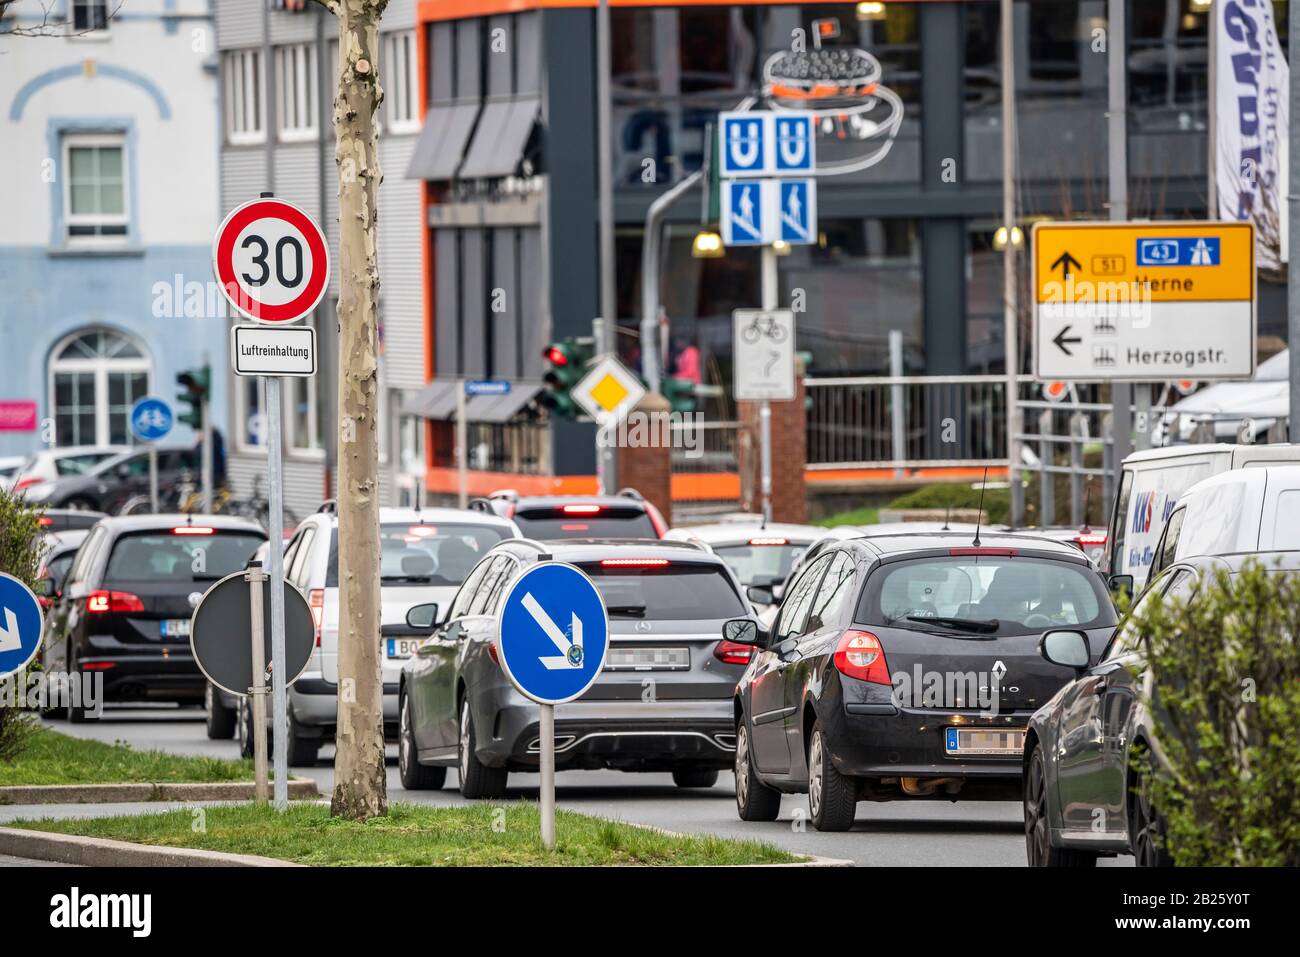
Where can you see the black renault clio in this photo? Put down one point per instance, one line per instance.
(906, 666)
(125, 607)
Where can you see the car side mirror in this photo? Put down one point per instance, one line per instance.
(45, 588)
(1120, 585)
(761, 594)
(423, 616)
(744, 631)
(778, 592)
(1065, 647)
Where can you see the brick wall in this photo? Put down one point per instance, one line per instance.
(789, 452)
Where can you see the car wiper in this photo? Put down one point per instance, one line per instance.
(981, 625)
(627, 611)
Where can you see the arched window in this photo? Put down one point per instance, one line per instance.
(96, 375)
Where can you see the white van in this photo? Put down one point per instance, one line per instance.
(1234, 513)
(1151, 484)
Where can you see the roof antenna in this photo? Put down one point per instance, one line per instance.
(946, 510)
(980, 513)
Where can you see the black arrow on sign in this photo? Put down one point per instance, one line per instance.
(1061, 341)
(1067, 264)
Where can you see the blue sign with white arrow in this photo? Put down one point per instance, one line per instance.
(798, 210)
(151, 419)
(742, 213)
(20, 625)
(553, 633)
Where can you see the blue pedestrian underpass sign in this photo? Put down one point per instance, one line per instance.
(553, 633)
(151, 419)
(21, 625)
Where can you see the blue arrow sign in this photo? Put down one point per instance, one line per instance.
(487, 387)
(742, 213)
(798, 206)
(151, 419)
(554, 633)
(20, 625)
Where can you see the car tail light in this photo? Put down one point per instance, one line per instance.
(633, 562)
(45, 521)
(316, 601)
(102, 602)
(580, 509)
(979, 550)
(1097, 539)
(27, 482)
(732, 652)
(860, 655)
(575, 527)
(95, 665)
(768, 541)
(193, 530)
(492, 653)
(423, 531)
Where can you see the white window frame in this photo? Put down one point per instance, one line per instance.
(402, 82)
(100, 367)
(71, 141)
(242, 411)
(244, 85)
(296, 92)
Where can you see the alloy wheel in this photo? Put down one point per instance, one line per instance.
(1037, 841)
(404, 736)
(815, 782)
(464, 741)
(742, 765)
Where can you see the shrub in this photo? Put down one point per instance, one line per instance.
(1225, 687)
(20, 556)
(997, 501)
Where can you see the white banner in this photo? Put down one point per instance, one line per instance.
(1251, 120)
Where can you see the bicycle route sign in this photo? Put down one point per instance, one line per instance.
(764, 354)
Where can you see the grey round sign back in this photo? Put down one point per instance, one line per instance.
(221, 633)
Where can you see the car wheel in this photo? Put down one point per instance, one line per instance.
(695, 777)
(79, 504)
(832, 797)
(414, 775)
(76, 715)
(244, 731)
(1147, 835)
(303, 749)
(755, 801)
(220, 719)
(477, 780)
(1038, 830)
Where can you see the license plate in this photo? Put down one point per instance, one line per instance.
(648, 659)
(984, 740)
(174, 627)
(403, 647)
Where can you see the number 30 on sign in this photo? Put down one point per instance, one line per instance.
(271, 261)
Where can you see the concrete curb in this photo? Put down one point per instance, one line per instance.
(809, 860)
(98, 852)
(300, 789)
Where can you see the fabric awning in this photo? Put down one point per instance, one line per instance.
(441, 145)
(500, 138)
(437, 401)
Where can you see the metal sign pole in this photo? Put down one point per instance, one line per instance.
(547, 796)
(205, 466)
(153, 478)
(462, 442)
(257, 690)
(279, 698)
(770, 293)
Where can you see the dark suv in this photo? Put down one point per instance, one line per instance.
(662, 703)
(548, 517)
(907, 666)
(126, 604)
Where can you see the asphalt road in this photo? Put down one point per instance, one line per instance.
(916, 833)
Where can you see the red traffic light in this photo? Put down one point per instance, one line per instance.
(555, 356)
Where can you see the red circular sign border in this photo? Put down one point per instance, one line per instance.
(223, 266)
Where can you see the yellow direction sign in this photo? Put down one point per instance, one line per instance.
(608, 391)
(1144, 301)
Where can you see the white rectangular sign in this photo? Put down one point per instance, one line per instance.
(759, 212)
(273, 350)
(763, 354)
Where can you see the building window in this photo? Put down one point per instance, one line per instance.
(303, 426)
(96, 375)
(250, 424)
(401, 92)
(95, 186)
(242, 70)
(295, 75)
(88, 15)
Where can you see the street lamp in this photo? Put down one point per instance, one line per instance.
(707, 245)
(781, 247)
(1200, 6)
(871, 11)
(1000, 237)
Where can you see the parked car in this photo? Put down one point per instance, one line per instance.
(1151, 483)
(9, 467)
(50, 465)
(1219, 409)
(1090, 541)
(58, 551)
(106, 486)
(425, 555)
(906, 666)
(1087, 748)
(666, 603)
(759, 554)
(625, 515)
(126, 604)
(68, 519)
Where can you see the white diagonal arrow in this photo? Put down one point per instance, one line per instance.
(10, 639)
(562, 644)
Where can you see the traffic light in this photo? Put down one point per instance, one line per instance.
(566, 363)
(680, 394)
(195, 388)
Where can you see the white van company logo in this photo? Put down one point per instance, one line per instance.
(77, 910)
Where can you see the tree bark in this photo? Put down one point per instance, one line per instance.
(360, 784)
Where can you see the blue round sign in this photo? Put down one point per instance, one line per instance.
(20, 625)
(151, 419)
(553, 633)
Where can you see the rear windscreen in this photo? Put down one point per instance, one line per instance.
(990, 595)
(164, 556)
(760, 564)
(675, 592)
(605, 524)
(413, 553)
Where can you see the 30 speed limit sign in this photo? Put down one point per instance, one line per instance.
(271, 261)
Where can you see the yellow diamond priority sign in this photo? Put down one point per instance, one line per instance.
(609, 391)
